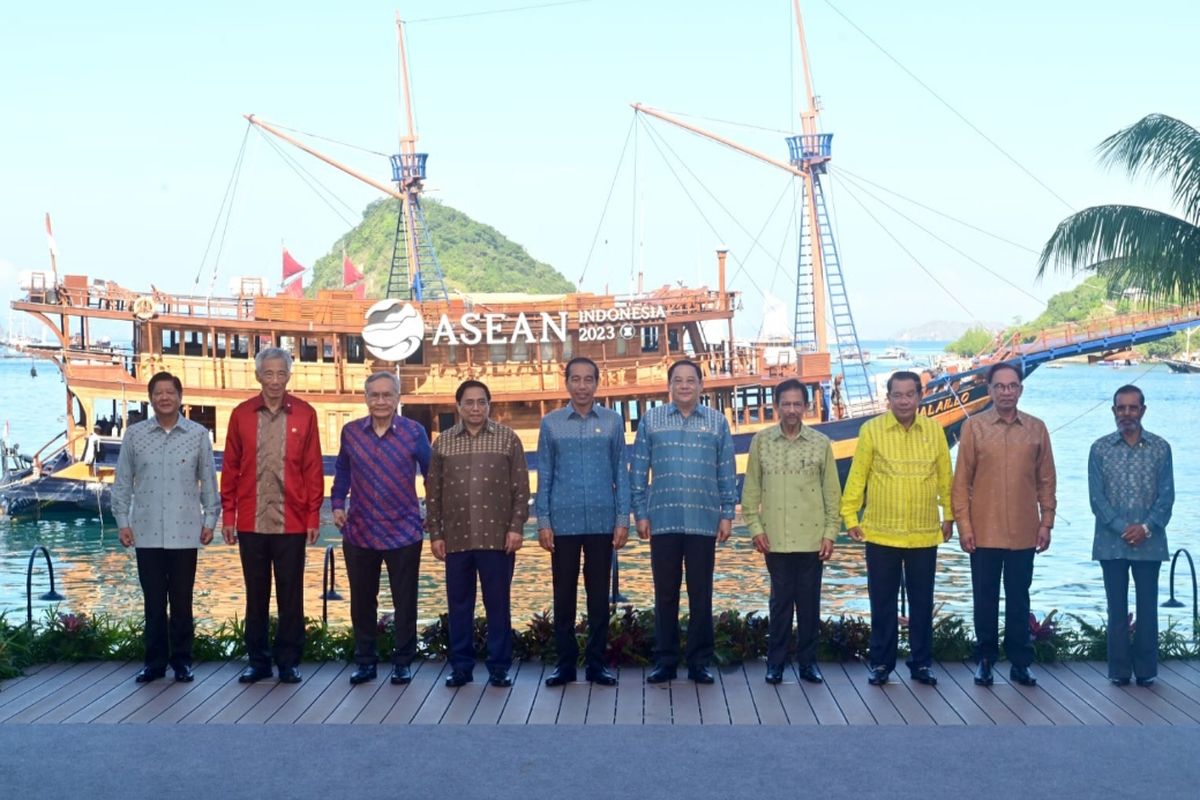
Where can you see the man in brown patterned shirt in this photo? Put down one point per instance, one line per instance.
(1003, 500)
(477, 499)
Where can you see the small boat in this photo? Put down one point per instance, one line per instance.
(1182, 367)
(895, 354)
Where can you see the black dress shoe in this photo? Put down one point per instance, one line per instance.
(811, 673)
(1119, 681)
(254, 674)
(364, 673)
(774, 673)
(924, 675)
(700, 675)
(983, 673)
(458, 678)
(401, 675)
(499, 678)
(292, 674)
(147, 674)
(1022, 676)
(1143, 681)
(878, 675)
(601, 675)
(184, 674)
(560, 677)
(661, 674)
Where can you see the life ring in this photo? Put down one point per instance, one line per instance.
(143, 308)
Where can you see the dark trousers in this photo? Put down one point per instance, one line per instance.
(885, 565)
(795, 588)
(669, 553)
(494, 570)
(1143, 661)
(596, 549)
(363, 567)
(282, 553)
(988, 564)
(167, 577)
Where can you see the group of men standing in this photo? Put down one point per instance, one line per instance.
(901, 498)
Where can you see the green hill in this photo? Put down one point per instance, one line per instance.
(474, 257)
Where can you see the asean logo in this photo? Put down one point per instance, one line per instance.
(393, 332)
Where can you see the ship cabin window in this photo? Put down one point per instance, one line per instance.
(193, 345)
(309, 350)
(547, 349)
(264, 340)
(327, 349)
(446, 421)
(170, 342)
(520, 351)
(622, 346)
(204, 415)
(568, 348)
(498, 353)
(452, 354)
(356, 352)
(417, 357)
(238, 346)
(649, 340)
(673, 340)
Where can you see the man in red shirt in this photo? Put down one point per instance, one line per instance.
(272, 485)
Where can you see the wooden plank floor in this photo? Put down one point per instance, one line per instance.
(1070, 694)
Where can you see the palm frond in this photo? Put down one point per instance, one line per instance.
(1160, 146)
(1157, 252)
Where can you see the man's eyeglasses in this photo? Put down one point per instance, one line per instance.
(1006, 387)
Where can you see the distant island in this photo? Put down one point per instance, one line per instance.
(940, 330)
(474, 257)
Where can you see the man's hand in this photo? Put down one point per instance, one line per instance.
(1043, 540)
(643, 529)
(855, 533)
(513, 542)
(313, 533)
(826, 550)
(546, 539)
(438, 548)
(947, 530)
(1134, 535)
(229, 534)
(339, 518)
(206, 535)
(620, 536)
(724, 529)
(761, 544)
(966, 541)
(125, 535)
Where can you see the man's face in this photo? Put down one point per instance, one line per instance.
(382, 398)
(903, 398)
(273, 376)
(581, 384)
(685, 386)
(790, 407)
(473, 407)
(1005, 390)
(165, 399)
(1128, 410)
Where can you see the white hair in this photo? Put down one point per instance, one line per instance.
(381, 375)
(269, 354)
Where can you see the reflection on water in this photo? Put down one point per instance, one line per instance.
(97, 574)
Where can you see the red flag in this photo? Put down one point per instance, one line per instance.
(350, 273)
(290, 265)
(294, 289)
(360, 292)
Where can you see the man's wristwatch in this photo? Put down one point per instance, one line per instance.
(1146, 529)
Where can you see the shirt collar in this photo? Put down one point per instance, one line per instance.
(998, 420)
(368, 424)
(571, 412)
(776, 432)
(178, 422)
(1115, 438)
(460, 428)
(261, 403)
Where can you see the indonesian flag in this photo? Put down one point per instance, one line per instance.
(290, 265)
(351, 277)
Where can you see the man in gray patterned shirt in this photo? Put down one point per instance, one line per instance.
(166, 504)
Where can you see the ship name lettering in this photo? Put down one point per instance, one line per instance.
(473, 328)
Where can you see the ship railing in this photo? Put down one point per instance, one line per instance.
(1015, 343)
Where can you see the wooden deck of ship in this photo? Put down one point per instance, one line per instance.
(1070, 694)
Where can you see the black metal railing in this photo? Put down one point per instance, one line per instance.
(1173, 603)
(51, 595)
(328, 589)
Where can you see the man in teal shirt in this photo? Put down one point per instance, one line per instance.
(683, 513)
(790, 500)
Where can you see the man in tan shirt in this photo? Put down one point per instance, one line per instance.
(1003, 500)
(477, 499)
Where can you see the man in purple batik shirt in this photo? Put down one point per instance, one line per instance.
(377, 466)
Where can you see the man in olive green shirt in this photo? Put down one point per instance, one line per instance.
(790, 501)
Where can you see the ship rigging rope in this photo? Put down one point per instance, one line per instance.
(319, 189)
(1104, 402)
(604, 211)
(493, 11)
(995, 145)
(331, 141)
(854, 182)
(225, 209)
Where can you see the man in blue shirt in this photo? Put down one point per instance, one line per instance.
(582, 506)
(683, 513)
(1132, 490)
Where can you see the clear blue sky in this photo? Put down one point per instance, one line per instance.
(124, 120)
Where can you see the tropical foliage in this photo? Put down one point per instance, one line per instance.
(973, 342)
(1135, 247)
(474, 257)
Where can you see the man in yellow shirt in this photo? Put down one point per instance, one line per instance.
(902, 466)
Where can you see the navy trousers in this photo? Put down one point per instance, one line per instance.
(1143, 661)
(493, 569)
(884, 568)
(988, 565)
(669, 553)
